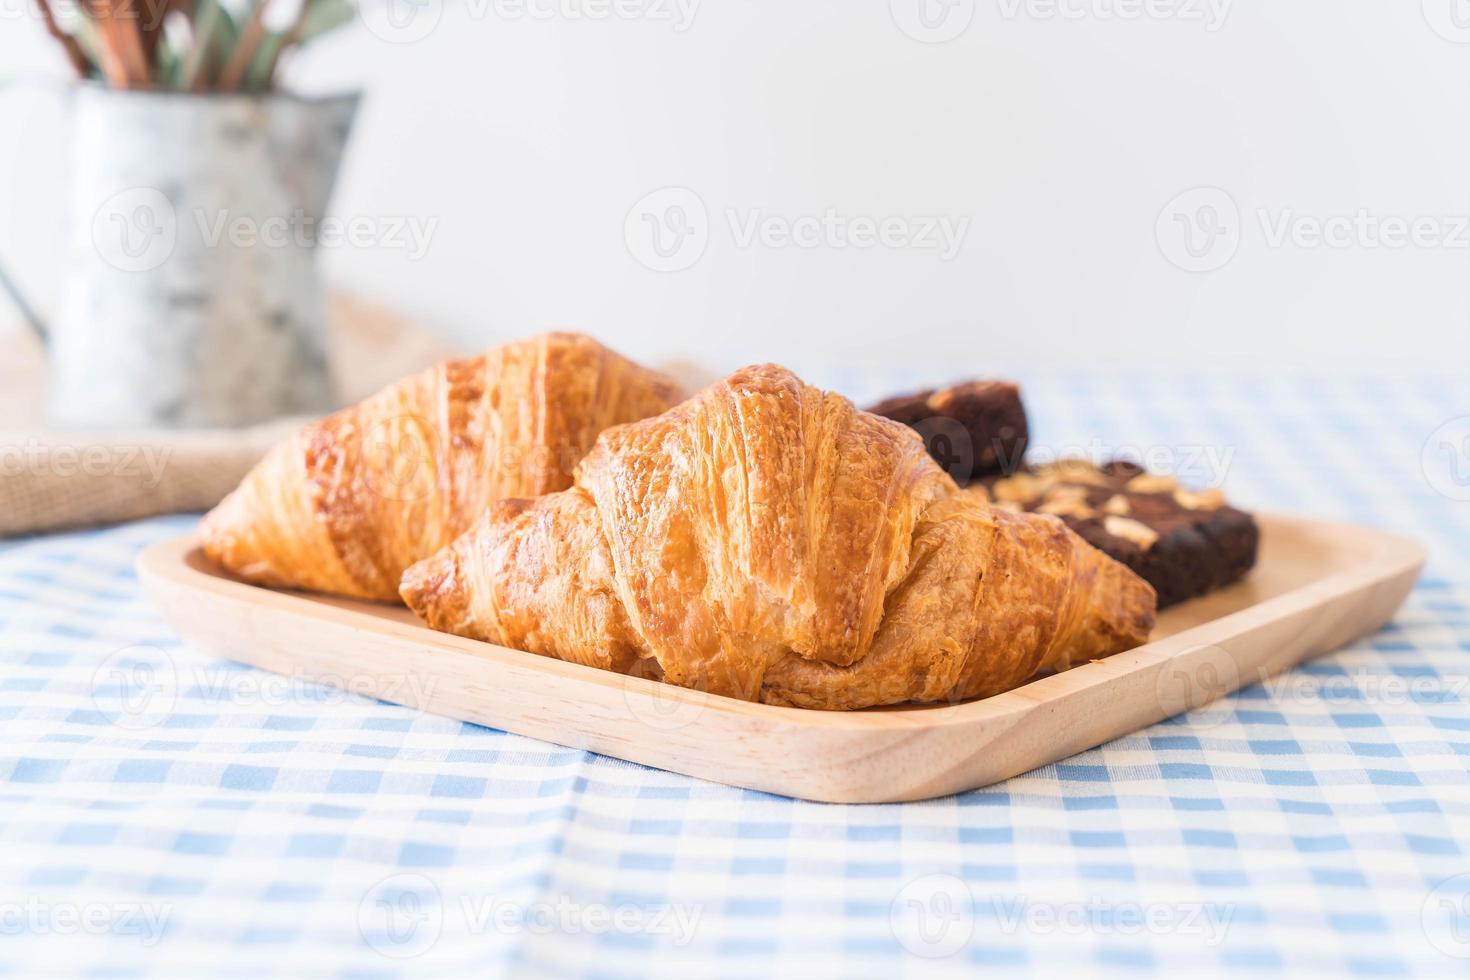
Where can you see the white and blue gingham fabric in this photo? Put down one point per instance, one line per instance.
(166, 814)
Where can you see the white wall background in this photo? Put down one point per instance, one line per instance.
(1060, 138)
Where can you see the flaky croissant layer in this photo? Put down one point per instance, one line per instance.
(767, 541)
(348, 502)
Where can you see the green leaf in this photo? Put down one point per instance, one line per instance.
(166, 65)
(323, 16)
(211, 21)
(263, 64)
(86, 35)
(221, 37)
(227, 30)
(318, 17)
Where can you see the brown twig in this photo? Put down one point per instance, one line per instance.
(122, 44)
(108, 58)
(240, 58)
(69, 44)
(151, 29)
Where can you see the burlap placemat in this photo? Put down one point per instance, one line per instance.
(50, 480)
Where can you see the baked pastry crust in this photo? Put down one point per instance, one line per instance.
(768, 541)
(346, 503)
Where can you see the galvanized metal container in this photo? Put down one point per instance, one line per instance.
(191, 295)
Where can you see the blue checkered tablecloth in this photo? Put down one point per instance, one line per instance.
(250, 825)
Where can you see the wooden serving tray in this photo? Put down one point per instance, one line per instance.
(1317, 587)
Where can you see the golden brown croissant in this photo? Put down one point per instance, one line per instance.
(768, 541)
(348, 502)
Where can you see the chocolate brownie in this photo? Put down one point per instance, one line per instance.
(973, 429)
(1184, 543)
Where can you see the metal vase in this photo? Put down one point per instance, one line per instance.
(191, 295)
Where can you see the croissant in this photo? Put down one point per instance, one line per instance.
(767, 541)
(346, 503)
